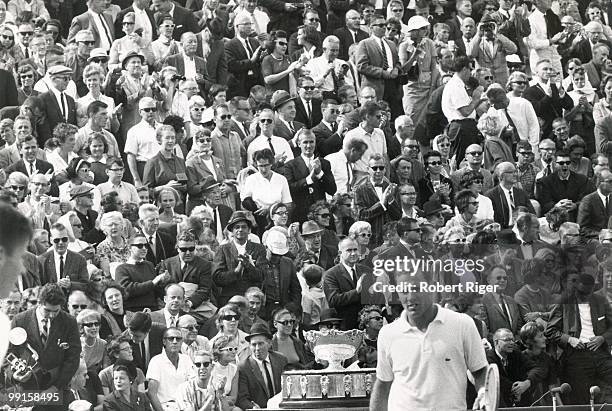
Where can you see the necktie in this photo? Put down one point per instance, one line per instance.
(349, 176)
(269, 382)
(32, 169)
(172, 321)
(354, 37)
(502, 301)
(271, 146)
(218, 226)
(27, 53)
(511, 199)
(248, 46)
(548, 170)
(291, 128)
(152, 245)
(143, 354)
(334, 127)
(44, 333)
(309, 111)
(351, 271)
(61, 267)
(106, 29)
(64, 106)
(606, 203)
(385, 64)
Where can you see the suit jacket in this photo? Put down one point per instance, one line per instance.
(565, 321)
(327, 141)
(10, 155)
(346, 40)
(199, 176)
(176, 60)
(550, 189)
(516, 369)
(369, 60)
(281, 130)
(239, 66)
(455, 29)
(30, 277)
(339, 289)
(184, 21)
(425, 190)
(252, 386)
(75, 267)
(53, 111)
(603, 133)
(593, 215)
(224, 263)
(548, 108)
(496, 318)
(153, 345)
(199, 272)
(216, 63)
(302, 193)
(164, 247)
(8, 97)
(61, 363)
(289, 289)
(300, 113)
(238, 131)
(119, 20)
(138, 401)
(86, 21)
(371, 210)
(501, 211)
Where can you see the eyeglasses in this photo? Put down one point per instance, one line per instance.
(547, 149)
(309, 88)
(412, 147)
(266, 121)
(231, 317)
(88, 42)
(501, 277)
(117, 170)
(435, 163)
(205, 364)
(526, 153)
(17, 188)
(475, 153)
(198, 108)
(96, 280)
(522, 83)
(281, 213)
(286, 322)
(26, 76)
(149, 109)
(417, 230)
(314, 19)
(99, 60)
(33, 302)
(204, 140)
(128, 23)
(324, 215)
(174, 339)
(377, 318)
(170, 26)
(378, 168)
(409, 193)
(564, 163)
(92, 324)
(61, 239)
(392, 29)
(473, 202)
(281, 43)
(191, 327)
(225, 116)
(229, 349)
(365, 235)
(397, 10)
(5, 37)
(26, 33)
(139, 245)
(185, 249)
(79, 306)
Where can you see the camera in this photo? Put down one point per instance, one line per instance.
(487, 27)
(178, 77)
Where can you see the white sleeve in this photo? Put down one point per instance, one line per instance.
(475, 357)
(287, 150)
(247, 188)
(154, 371)
(285, 193)
(384, 364)
(131, 144)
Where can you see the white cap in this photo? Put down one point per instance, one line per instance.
(277, 242)
(417, 22)
(513, 58)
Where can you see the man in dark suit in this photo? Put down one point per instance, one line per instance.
(380, 70)
(54, 335)
(307, 109)
(97, 21)
(309, 178)
(241, 116)
(527, 234)
(548, 101)
(324, 254)
(585, 341)
(404, 128)
(160, 245)
(213, 201)
(375, 199)
(140, 8)
(186, 267)
(174, 300)
(351, 34)
(184, 19)
(190, 45)
(234, 269)
(284, 125)
(259, 375)
(59, 106)
(327, 132)
(8, 97)
(62, 266)
(506, 198)
(284, 15)
(145, 338)
(464, 11)
(242, 54)
(595, 209)
(563, 188)
(501, 311)
(342, 284)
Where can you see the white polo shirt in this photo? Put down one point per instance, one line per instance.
(432, 374)
(141, 141)
(169, 378)
(454, 97)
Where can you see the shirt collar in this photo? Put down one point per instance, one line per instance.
(405, 326)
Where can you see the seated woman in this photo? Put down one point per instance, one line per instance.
(113, 318)
(467, 204)
(166, 167)
(92, 346)
(224, 372)
(361, 231)
(125, 396)
(119, 351)
(495, 149)
(168, 199)
(319, 213)
(78, 173)
(371, 321)
(286, 343)
(279, 220)
(576, 147)
(227, 319)
(114, 249)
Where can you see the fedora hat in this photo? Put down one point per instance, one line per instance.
(259, 329)
(431, 207)
(236, 217)
(329, 315)
(129, 55)
(310, 227)
(279, 98)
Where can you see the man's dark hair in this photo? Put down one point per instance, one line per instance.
(265, 154)
(368, 109)
(140, 322)
(562, 153)
(495, 93)
(95, 106)
(52, 294)
(404, 225)
(170, 329)
(7, 196)
(15, 229)
(176, 122)
(429, 154)
(462, 62)
(523, 144)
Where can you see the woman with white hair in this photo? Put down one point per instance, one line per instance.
(17, 182)
(517, 83)
(361, 231)
(114, 248)
(495, 151)
(193, 119)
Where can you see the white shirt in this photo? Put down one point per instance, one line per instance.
(602, 197)
(376, 141)
(142, 21)
(509, 202)
(169, 316)
(103, 29)
(268, 365)
(58, 163)
(468, 45)
(281, 146)
(454, 97)
(190, 67)
(586, 322)
(266, 192)
(56, 259)
(318, 71)
(525, 120)
(44, 84)
(351, 271)
(387, 51)
(41, 326)
(127, 192)
(63, 106)
(338, 163)
(169, 378)
(142, 142)
(433, 363)
(241, 248)
(5, 327)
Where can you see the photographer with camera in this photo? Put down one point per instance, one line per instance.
(328, 71)
(490, 49)
(583, 45)
(284, 15)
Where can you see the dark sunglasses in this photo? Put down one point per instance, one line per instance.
(488, 77)
(325, 215)
(205, 364)
(204, 140)
(478, 181)
(526, 153)
(17, 188)
(149, 109)
(231, 317)
(564, 163)
(412, 146)
(368, 235)
(378, 25)
(88, 42)
(286, 322)
(5, 37)
(314, 19)
(92, 324)
(99, 60)
(229, 349)
(77, 306)
(266, 121)
(377, 318)
(392, 29)
(411, 193)
(378, 168)
(61, 239)
(26, 33)
(25, 76)
(173, 338)
(33, 302)
(309, 88)
(281, 43)
(128, 23)
(225, 116)
(397, 10)
(522, 83)
(185, 249)
(475, 153)
(435, 163)
(139, 245)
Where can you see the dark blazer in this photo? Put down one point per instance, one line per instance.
(369, 60)
(75, 267)
(327, 141)
(8, 97)
(199, 176)
(216, 63)
(548, 108)
(42, 166)
(302, 193)
(137, 280)
(31, 275)
(224, 263)
(315, 116)
(138, 402)
(289, 286)
(184, 21)
(425, 190)
(119, 20)
(252, 386)
(370, 209)
(339, 289)
(551, 189)
(327, 256)
(53, 112)
(592, 215)
(164, 247)
(346, 40)
(199, 272)
(238, 131)
(239, 65)
(495, 317)
(154, 341)
(306, 358)
(517, 369)
(455, 29)
(176, 60)
(281, 130)
(501, 211)
(85, 21)
(61, 363)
